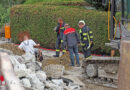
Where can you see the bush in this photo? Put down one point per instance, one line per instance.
(4, 15)
(35, 1)
(40, 20)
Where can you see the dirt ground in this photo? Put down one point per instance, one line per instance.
(12, 47)
(63, 60)
(90, 86)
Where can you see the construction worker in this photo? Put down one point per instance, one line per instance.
(71, 40)
(59, 41)
(86, 36)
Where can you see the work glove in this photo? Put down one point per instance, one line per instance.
(54, 29)
(61, 41)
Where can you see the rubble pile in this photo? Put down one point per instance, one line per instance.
(12, 47)
(33, 77)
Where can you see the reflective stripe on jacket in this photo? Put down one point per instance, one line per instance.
(60, 30)
(86, 36)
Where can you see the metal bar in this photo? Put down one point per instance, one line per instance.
(115, 27)
(113, 12)
(109, 19)
(122, 11)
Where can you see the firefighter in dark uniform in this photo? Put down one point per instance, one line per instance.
(60, 32)
(86, 36)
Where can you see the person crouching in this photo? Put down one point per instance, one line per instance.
(27, 45)
(71, 40)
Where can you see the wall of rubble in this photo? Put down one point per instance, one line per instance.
(31, 75)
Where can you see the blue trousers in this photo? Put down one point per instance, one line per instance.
(74, 50)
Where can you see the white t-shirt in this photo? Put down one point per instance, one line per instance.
(28, 46)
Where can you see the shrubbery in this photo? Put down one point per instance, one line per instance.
(40, 19)
(35, 1)
(4, 15)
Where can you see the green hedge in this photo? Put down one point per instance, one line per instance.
(4, 15)
(35, 1)
(40, 20)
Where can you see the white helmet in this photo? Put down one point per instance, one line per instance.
(82, 21)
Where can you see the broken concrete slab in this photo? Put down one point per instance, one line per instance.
(35, 82)
(41, 76)
(34, 66)
(52, 86)
(14, 60)
(57, 81)
(20, 70)
(54, 71)
(73, 86)
(26, 83)
(20, 59)
(75, 80)
(29, 57)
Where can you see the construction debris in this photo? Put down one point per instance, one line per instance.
(33, 77)
(13, 48)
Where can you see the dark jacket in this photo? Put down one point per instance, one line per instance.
(70, 37)
(61, 31)
(86, 36)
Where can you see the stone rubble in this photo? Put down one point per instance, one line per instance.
(32, 76)
(26, 82)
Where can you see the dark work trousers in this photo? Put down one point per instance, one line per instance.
(74, 50)
(58, 43)
(87, 52)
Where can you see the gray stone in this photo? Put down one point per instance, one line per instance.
(73, 86)
(29, 57)
(75, 80)
(20, 59)
(53, 86)
(20, 70)
(26, 83)
(92, 70)
(35, 82)
(34, 66)
(58, 81)
(14, 60)
(41, 76)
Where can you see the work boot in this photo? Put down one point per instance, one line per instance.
(78, 65)
(57, 54)
(41, 58)
(88, 57)
(71, 65)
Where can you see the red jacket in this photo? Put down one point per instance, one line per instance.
(70, 37)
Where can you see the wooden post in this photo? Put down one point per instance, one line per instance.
(124, 67)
